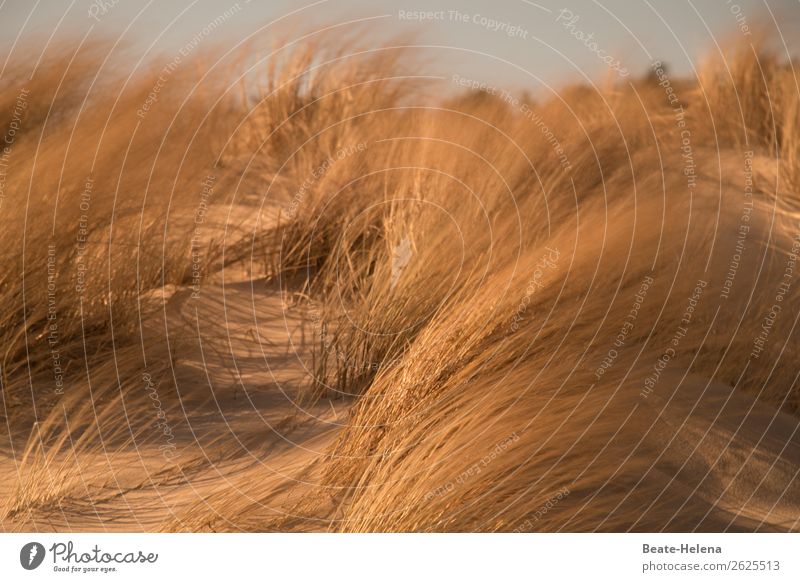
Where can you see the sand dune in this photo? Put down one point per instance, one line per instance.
(337, 301)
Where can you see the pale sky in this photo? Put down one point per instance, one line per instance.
(502, 42)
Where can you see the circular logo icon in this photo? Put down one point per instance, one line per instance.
(31, 555)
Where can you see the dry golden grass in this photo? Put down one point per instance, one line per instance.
(469, 367)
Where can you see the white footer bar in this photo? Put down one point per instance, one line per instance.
(379, 557)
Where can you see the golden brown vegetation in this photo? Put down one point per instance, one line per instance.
(473, 365)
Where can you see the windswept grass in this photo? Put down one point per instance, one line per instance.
(466, 265)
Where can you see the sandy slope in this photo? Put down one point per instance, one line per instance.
(241, 433)
(719, 445)
(241, 424)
